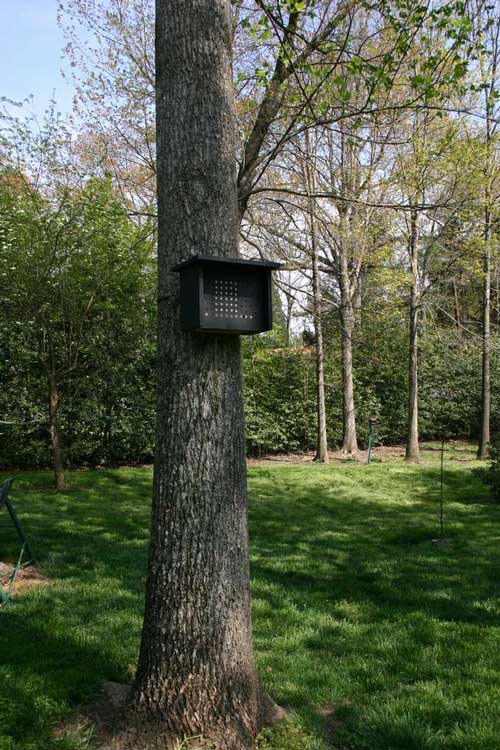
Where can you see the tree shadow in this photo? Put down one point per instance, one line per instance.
(331, 563)
(48, 666)
(377, 592)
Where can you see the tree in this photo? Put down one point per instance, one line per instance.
(434, 174)
(77, 267)
(486, 20)
(33, 248)
(196, 672)
(322, 441)
(352, 94)
(111, 50)
(284, 54)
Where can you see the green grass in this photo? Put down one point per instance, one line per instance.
(374, 636)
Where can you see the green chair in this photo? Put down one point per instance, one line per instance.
(26, 556)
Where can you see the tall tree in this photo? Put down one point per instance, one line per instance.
(412, 439)
(78, 269)
(196, 672)
(432, 174)
(487, 36)
(322, 440)
(111, 50)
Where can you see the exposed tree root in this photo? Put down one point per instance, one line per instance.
(116, 726)
(268, 711)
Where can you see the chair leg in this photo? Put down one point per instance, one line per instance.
(4, 599)
(16, 570)
(20, 530)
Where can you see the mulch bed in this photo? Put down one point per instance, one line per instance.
(361, 456)
(26, 578)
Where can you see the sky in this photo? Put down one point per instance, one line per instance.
(31, 46)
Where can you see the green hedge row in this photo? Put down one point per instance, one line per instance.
(110, 418)
(280, 398)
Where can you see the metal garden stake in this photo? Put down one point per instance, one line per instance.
(373, 422)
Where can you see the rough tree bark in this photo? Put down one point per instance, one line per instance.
(196, 673)
(55, 443)
(412, 447)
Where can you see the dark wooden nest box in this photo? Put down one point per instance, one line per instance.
(226, 295)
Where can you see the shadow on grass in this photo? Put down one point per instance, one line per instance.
(98, 527)
(385, 554)
(358, 615)
(58, 643)
(354, 567)
(51, 662)
(473, 490)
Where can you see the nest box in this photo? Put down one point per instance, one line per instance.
(226, 295)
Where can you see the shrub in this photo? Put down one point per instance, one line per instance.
(492, 475)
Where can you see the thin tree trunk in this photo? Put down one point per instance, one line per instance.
(196, 673)
(412, 446)
(497, 297)
(357, 302)
(55, 443)
(289, 305)
(350, 441)
(484, 437)
(458, 313)
(108, 424)
(321, 439)
(490, 80)
(289, 312)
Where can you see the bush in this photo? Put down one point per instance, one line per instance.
(280, 400)
(492, 474)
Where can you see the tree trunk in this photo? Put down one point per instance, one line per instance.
(55, 444)
(490, 79)
(289, 313)
(458, 313)
(484, 437)
(196, 673)
(321, 439)
(412, 447)
(350, 441)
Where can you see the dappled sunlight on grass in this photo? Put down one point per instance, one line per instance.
(63, 640)
(365, 612)
(373, 634)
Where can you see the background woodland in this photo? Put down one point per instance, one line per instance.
(368, 165)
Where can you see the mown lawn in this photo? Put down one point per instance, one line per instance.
(374, 636)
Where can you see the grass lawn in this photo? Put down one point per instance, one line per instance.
(374, 636)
